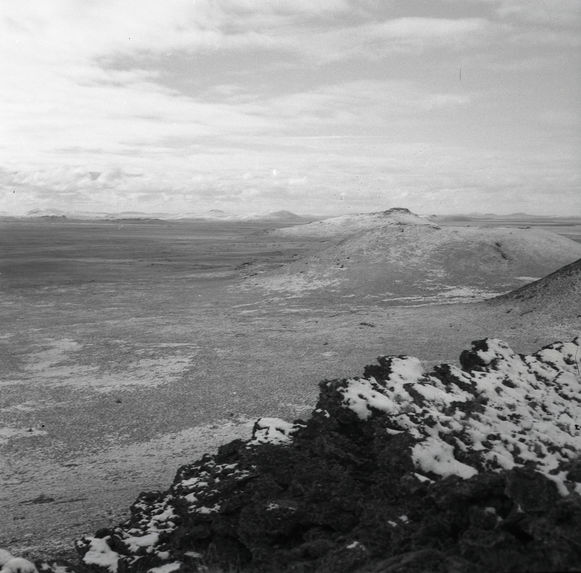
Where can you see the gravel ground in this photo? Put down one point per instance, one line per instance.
(106, 387)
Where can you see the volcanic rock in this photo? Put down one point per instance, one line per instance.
(467, 469)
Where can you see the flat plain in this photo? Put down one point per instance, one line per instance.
(128, 348)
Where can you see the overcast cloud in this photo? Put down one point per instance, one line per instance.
(318, 107)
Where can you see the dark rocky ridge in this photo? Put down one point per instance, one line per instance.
(556, 296)
(563, 285)
(461, 469)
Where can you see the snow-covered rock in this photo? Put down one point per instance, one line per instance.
(468, 469)
(10, 564)
(506, 411)
(273, 431)
(4, 556)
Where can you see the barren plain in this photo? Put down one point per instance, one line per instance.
(128, 348)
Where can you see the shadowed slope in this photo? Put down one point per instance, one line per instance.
(560, 290)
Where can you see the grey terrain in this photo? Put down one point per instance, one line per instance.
(131, 347)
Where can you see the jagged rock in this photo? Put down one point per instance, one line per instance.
(459, 470)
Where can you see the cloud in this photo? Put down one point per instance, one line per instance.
(536, 22)
(426, 29)
(339, 98)
(562, 13)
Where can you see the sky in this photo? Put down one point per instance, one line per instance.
(313, 106)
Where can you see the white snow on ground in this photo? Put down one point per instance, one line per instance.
(57, 363)
(18, 565)
(293, 284)
(102, 555)
(528, 410)
(4, 557)
(53, 354)
(272, 431)
(8, 433)
(145, 541)
(447, 295)
(54, 567)
(167, 568)
(435, 456)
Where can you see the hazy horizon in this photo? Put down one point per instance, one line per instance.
(221, 215)
(253, 106)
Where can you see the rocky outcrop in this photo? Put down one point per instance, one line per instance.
(465, 469)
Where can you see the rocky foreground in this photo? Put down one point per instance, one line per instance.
(465, 469)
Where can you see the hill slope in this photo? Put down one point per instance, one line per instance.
(560, 290)
(422, 262)
(346, 225)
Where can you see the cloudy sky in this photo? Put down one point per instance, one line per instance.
(317, 106)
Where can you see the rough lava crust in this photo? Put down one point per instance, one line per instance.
(466, 469)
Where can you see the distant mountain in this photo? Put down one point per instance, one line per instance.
(46, 213)
(346, 225)
(134, 215)
(58, 214)
(218, 213)
(478, 217)
(286, 215)
(275, 216)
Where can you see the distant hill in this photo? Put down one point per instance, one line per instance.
(345, 225)
(561, 290)
(524, 218)
(284, 215)
(47, 214)
(275, 216)
(418, 261)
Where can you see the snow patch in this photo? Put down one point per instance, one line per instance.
(18, 565)
(166, 568)
(7, 433)
(101, 554)
(272, 431)
(512, 410)
(436, 456)
(144, 541)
